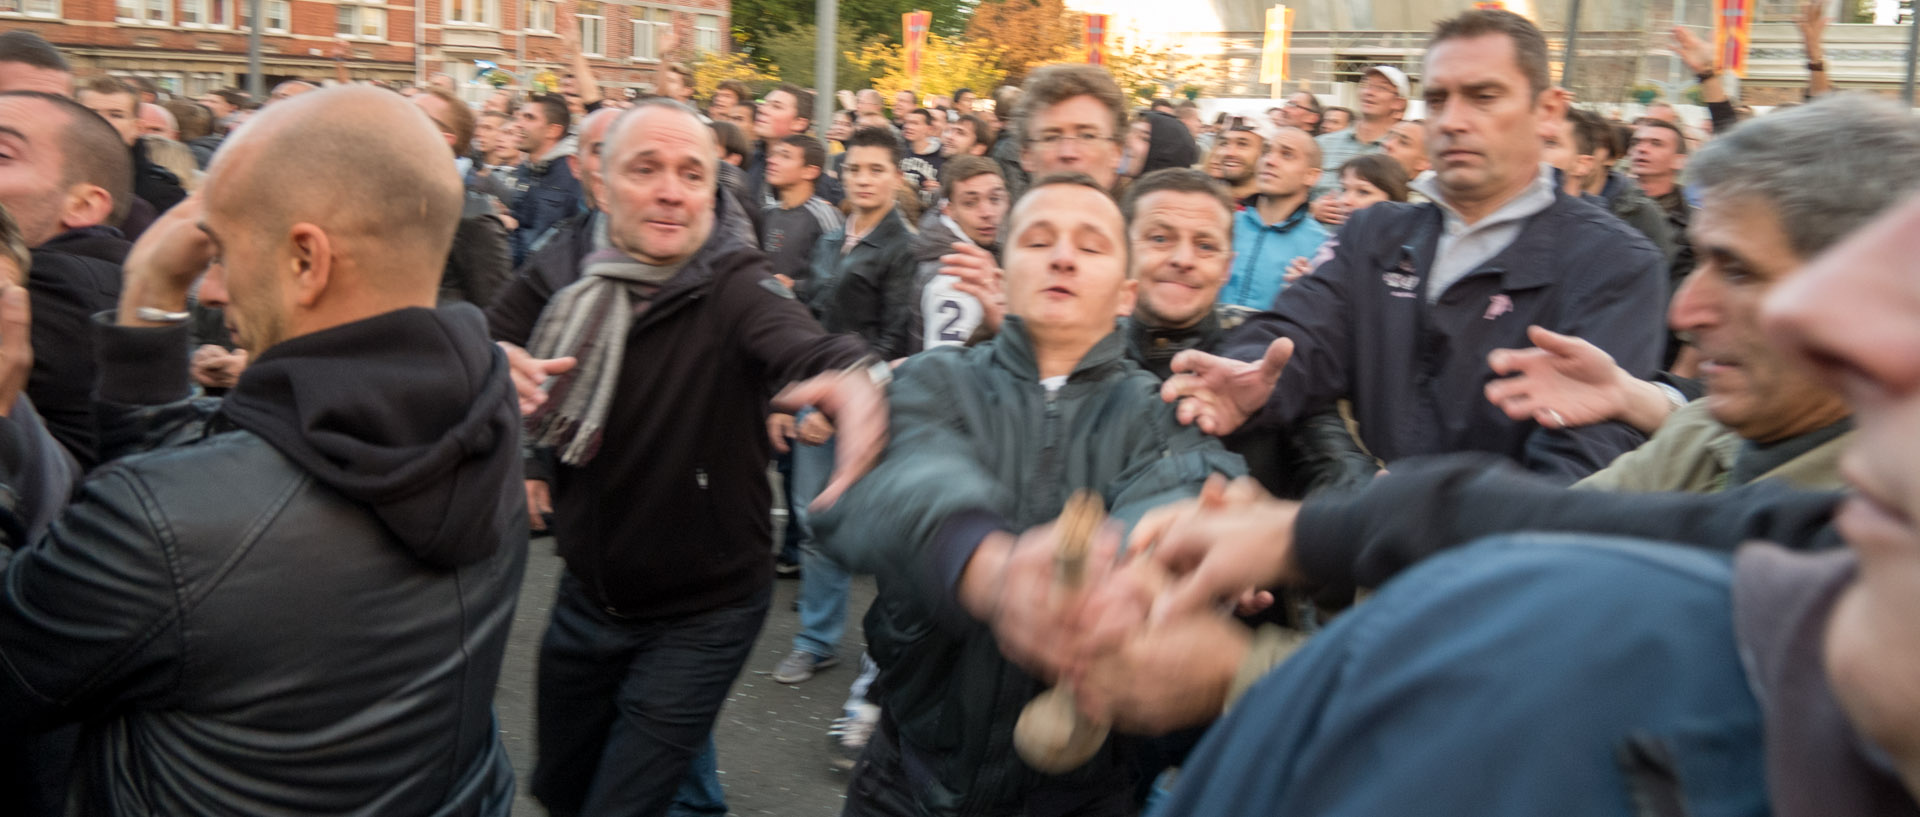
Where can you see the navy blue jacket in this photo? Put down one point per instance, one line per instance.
(547, 194)
(1416, 373)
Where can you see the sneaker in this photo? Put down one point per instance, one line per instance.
(800, 665)
(850, 733)
(786, 570)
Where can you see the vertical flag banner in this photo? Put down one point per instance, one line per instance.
(1273, 52)
(1096, 39)
(915, 23)
(1732, 33)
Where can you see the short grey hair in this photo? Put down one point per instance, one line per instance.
(651, 103)
(1827, 168)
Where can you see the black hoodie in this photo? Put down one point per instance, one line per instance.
(410, 412)
(1169, 144)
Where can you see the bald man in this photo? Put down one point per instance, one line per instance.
(297, 605)
(660, 494)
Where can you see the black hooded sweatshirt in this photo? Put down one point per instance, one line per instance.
(411, 412)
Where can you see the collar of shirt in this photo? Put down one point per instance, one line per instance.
(959, 234)
(1463, 247)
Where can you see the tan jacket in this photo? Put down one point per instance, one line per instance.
(1693, 452)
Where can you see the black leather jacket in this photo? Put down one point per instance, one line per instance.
(292, 602)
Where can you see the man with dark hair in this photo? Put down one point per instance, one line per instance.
(1656, 155)
(1498, 249)
(1071, 120)
(963, 101)
(661, 498)
(986, 444)
(966, 136)
(794, 223)
(545, 187)
(29, 63)
(1237, 158)
(921, 165)
(973, 204)
(189, 607)
(1336, 118)
(1577, 147)
(861, 283)
(784, 111)
(480, 261)
(70, 181)
(117, 103)
(728, 94)
(1180, 228)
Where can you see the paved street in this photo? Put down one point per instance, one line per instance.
(772, 737)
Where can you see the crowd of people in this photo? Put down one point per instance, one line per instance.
(1508, 460)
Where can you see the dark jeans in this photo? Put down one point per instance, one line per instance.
(887, 783)
(624, 704)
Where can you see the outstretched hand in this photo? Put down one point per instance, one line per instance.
(1218, 394)
(1562, 382)
(858, 408)
(980, 276)
(1695, 52)
(530, 372)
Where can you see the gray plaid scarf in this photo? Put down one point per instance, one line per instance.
(589, 321)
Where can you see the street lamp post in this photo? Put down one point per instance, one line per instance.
(826, 25)
(256, 83)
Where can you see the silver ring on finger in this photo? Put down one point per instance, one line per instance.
(1558, 421)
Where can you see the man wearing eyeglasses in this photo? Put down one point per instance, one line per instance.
(1071, 120)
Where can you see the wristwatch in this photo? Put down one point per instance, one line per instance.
(1817, 65)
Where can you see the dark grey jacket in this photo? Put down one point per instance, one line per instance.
(978, 445)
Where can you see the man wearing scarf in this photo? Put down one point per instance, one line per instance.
(665, 350)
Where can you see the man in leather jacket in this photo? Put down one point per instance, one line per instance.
(294, 601)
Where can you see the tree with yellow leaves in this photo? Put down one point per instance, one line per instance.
(945, 66)
(714, 67)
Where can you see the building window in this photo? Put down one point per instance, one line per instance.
(277, 13)
(31, 8)
(473, 12)
(151, 12)
(541, 15)
(593, 29)
(360, 22)
(648, 25)
(208, 13)
(706, 33)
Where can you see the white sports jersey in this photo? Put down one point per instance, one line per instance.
(951, 315)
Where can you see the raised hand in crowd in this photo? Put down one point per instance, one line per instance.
(1566, 382)
(1218, 394)
(164, 263)
(1813, 28)
(1009, 583)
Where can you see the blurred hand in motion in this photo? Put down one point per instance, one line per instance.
(217, 367)
(980, 276)
(1561, 382)
(1218, 394)
(858, 408)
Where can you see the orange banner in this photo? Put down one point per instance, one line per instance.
(915, 24)
(1096, 38)
(1490, 5)
(1732, 34)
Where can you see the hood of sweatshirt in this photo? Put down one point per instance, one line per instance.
(411, 412)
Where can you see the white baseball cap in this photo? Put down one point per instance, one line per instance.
(1395, 76)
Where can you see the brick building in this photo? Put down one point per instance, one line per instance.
(194, 46)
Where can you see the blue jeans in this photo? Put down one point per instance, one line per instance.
(625, 705)
(823, 582)
(700, 792)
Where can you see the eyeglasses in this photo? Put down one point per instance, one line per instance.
(1054, 141)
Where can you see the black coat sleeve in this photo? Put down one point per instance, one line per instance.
(481, 261)
(1363, 538)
